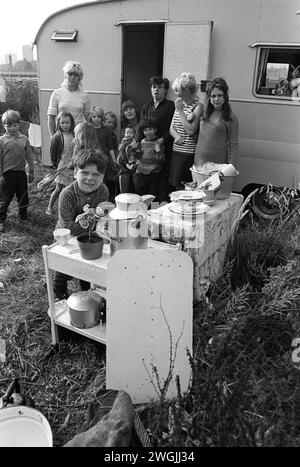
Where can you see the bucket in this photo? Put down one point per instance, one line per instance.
(227, 183)
(22, 426)
(199, 177)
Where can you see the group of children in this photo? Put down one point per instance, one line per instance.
(131, 167)
(96, 134)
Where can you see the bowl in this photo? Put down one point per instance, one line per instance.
(187, 200)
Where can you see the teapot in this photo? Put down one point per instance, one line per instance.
(125, 224)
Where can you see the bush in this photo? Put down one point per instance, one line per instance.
(22, 95)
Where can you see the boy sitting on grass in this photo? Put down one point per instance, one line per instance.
(88, 188)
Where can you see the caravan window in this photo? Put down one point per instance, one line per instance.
(277, 69)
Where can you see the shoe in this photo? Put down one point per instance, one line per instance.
(49, 212)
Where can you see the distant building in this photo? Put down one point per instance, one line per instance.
(10, 59)
(27, 52)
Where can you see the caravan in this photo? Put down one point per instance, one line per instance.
(253, 44)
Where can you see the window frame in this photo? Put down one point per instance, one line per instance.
(260, 46)
(63, 37)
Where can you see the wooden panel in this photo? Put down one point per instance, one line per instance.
(178, 39)
(149, 320)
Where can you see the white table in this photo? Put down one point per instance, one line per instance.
(203, 236)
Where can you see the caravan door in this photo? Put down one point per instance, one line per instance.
(187, 48)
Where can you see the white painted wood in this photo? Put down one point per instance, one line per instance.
(149, 313)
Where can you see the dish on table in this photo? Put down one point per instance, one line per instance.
(201, 209)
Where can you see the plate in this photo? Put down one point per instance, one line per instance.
(200, 210)
(187, 195)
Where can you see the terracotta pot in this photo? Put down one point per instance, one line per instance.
(90, 249)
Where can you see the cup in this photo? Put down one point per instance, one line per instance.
(62, 236)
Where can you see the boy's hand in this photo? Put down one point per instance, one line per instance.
(31, 177)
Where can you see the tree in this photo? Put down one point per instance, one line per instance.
(22, 95)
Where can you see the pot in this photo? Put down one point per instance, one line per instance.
(130, 205)
(85, 309)
(90, 249)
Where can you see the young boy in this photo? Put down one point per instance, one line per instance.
(128, 160)
(147, 176)
(14, 153)
(88, 188)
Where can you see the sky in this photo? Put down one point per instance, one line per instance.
(26, 18)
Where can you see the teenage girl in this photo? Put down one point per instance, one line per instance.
(61, 151)
(107, 145)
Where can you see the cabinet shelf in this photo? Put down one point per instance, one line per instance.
(62, 318)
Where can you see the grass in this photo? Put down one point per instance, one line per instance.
(245, 389)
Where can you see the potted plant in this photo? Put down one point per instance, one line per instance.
(90, 244)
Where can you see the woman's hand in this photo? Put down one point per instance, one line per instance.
(179, 104)
(179, 140)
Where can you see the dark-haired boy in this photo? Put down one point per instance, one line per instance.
(162, 109)
(88, 188)
(147, 176)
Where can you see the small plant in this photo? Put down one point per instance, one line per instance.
(89, 218)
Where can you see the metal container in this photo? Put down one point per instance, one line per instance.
(85, 309)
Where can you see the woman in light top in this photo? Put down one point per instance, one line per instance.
(184, 128)
(219, 128)
(70, 97)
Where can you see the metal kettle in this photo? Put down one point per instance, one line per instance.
(126, 225)
(13, 396)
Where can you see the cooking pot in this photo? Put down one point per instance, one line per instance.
(126, 226)
(85, 309)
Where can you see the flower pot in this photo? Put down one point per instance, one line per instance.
(90, 248)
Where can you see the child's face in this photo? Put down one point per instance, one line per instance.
(129, 133)
(110, 123)
(149, 133)
(130, 113)
(89, 178)
(12, 128)
(65, 124)
(96, 120)
(158, 92)
(217, 98)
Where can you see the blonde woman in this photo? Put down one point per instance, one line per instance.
(184, 128)
(70, 97)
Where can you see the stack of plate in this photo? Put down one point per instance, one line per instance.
(187, 202)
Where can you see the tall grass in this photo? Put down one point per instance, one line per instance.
(244, 390)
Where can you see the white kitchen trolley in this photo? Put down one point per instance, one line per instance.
(149, 311)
